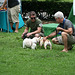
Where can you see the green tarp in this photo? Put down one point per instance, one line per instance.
(71, 16)
(49, 28)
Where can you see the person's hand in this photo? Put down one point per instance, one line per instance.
(23, 34)
(59, 29)
(44, 39)
(29, 34)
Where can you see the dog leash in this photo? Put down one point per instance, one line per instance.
(56, 34)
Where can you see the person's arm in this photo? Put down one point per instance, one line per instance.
(69, 30)
(51, 35)
(5, 2)
(35, 32)
(26, 30)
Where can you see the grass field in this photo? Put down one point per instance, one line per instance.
(14, 60)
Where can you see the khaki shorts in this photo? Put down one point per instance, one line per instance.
(13, 14)
(71, 39)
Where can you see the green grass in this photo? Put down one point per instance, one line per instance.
(14, 60)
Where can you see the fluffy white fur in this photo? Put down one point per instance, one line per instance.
(46, 43)
(36, 39)
(30, 42)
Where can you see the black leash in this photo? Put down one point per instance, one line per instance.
(56, 34)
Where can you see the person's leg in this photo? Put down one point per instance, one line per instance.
(15, 16)
(65, 40)
(9, 17)
(17, 24)
(55, 41)
(39, 34)
(71, 41)
(17, 9)
(58, 40)
(11, 24)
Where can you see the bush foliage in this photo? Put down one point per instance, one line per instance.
(49, 7)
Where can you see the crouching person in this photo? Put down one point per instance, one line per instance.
(67, 31)
(35, 25)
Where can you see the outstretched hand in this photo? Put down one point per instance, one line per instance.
(23, 34)
(29, 34)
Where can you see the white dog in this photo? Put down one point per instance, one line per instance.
(30, 42)
(46, 43)
(36, 39)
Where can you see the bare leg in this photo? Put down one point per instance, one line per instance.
(11, 24)
(55, 41)
(64, 38)
(36, 35)
(17, 24)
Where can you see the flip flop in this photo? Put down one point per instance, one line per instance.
(64, 51)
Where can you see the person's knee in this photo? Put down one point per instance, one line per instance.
(36, 35)
(53, 40)
(64, 34)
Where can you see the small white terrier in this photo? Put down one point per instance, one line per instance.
(36, 39)
(30, 42)
(46, 43)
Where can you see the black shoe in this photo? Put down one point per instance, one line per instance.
(25, 36)
(71, 48)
